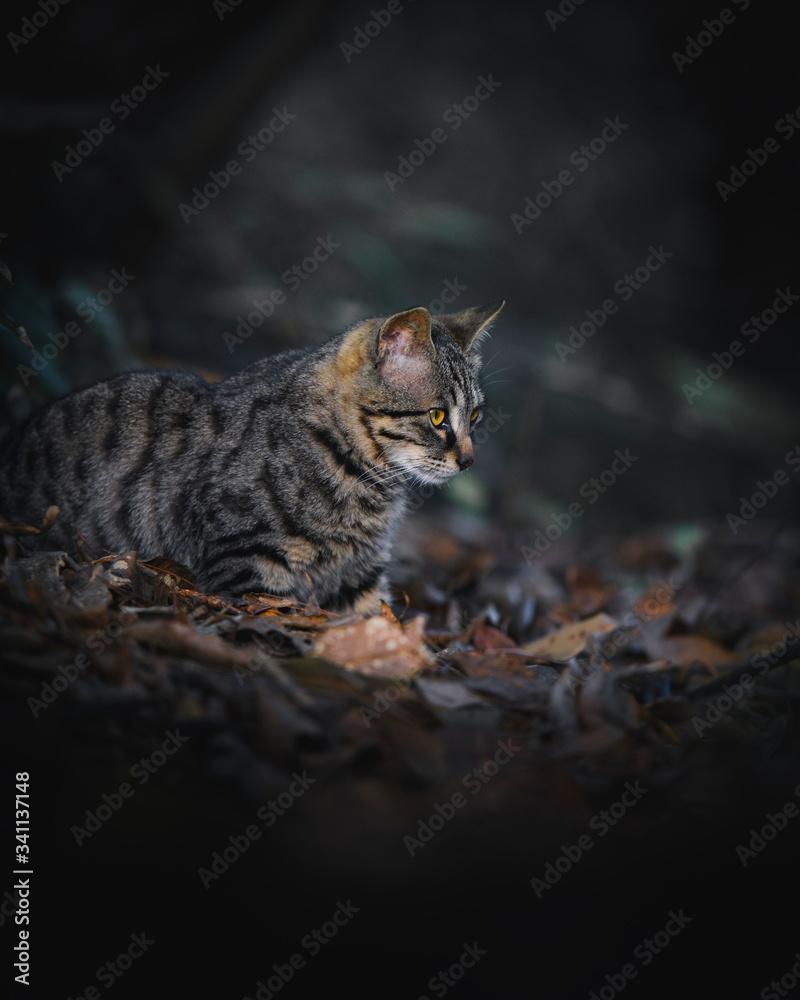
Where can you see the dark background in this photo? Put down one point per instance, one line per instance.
(323, 176)
(451, 220)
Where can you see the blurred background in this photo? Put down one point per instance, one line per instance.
(207, 149)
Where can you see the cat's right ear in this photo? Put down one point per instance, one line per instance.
(468, 327)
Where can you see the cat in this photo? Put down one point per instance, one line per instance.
(288, 478)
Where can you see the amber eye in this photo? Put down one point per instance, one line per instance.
(437, 417)
(473, 416)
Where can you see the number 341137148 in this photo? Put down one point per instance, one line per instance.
(22, 812)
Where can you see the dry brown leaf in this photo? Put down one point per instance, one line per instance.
(172, 573)
(195, 599)
(6, 528)
(290, 613)
(50, 516)
(387, 613)
(650, 606)
(502, 663)
(683, 650)
(588, 593)
(119, 570)
(568, 641)
(377, 646)
(485, 638)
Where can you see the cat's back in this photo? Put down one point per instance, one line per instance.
(73, 452)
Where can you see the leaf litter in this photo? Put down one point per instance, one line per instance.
(597, 672)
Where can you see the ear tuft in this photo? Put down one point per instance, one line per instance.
(467, 326)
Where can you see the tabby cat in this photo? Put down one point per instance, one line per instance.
(287, 478)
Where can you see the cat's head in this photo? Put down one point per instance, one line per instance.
(419, 391)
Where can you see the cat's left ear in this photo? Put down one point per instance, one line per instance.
(467, 326)
(405, 337)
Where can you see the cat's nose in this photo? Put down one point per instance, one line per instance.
(465, 460)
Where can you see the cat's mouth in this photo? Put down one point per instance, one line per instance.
(426, 469)
(434, 474)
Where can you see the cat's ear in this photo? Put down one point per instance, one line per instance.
(467, 326)
(404, 342)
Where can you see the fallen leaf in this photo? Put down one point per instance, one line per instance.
(119, 570)
(568, 641)
(171, 572)
(6, 528)
(387, 613)
(39, 576)
(448, 694)
(291, 613)
(588, 593)
(683, 650)
(505, 663)
(486, 637)
(377, 646)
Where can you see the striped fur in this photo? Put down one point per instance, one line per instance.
(288, 478)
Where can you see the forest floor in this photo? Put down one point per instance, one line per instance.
(503, 724)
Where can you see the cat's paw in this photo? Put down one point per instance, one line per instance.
(369, 604)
